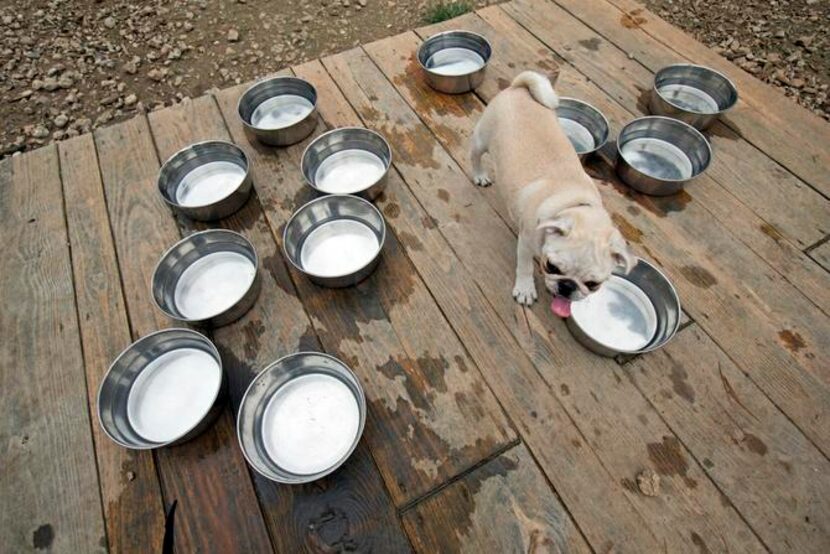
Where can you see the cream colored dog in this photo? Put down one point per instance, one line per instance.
(556, 205)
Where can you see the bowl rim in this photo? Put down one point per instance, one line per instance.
(329, 197)
(478, 36)
(131, 346)
(696, 66)
(651, 345)
(598, 112)
(181, 151)
(672, 121)
(255, 84)
(186, 239)
(362, 410)
(304, 159)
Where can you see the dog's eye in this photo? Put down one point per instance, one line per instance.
(552, 269)
(592, 285)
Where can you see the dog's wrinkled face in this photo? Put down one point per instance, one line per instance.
(580, 248)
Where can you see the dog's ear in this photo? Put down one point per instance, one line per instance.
(620, 252)
(559, 226)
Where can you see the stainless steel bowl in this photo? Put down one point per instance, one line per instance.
(659, 155)
(164, 389)
(209, 278)
(693, 94)
(206, 181)
(279, 111)
(336, 240)
(454, 61)
(301, 418)
(583, 124)
(629, 314)
(349, 160)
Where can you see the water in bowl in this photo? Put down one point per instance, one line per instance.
(455, 61)
(339, 247)
(349, 171)
(579, 135)
(212, 284)
(689, 98)
(209, 183)
(657, 158)
(281, 111)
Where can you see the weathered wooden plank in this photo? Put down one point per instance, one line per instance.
(130, 489)
(617, 436)
(821, 254)
(530, 395)
(737, 183)
(425, 395)
(769, 470)
(217, 508)
(360, 501)
(503, 506)
(763, 330)
(765, 117)
(49, 491)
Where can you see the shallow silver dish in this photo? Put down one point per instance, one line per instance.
(301, 418)
(336, 240)
(454, 61)
(693, 94)
(348, 160)
(206, 181)
(659, 155)
(209, 278)
(164, 389)
(279, 111)
(629, 314)
(583, 124)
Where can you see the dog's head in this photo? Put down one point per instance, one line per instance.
(580, 247)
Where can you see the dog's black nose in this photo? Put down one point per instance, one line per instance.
(567, 287)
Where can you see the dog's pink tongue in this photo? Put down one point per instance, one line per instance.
(561, 306)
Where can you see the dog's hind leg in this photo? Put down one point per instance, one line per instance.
(477, 150)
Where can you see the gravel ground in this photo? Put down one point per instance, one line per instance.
(782, 42)
(69, 66)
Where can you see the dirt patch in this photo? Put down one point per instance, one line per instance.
(781, 42)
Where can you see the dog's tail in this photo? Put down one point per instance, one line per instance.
(539, 87)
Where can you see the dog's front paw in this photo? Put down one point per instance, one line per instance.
(525, 291)
(482, 180)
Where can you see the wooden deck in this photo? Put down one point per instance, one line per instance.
(490, 429)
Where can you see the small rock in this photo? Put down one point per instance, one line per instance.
(50, 84)
(233, 35)
(363, 3)
(39, 131)
(130, 100)
(109, 22)
(306, 19)
(130, 476)
(130, 68)
(60, 121)
(66, 82)
(648, 482)
(156, 74)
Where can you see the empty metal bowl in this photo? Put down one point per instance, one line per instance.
(583, 124)
(658, 155)
(336, 240)
(206, 181)
(454, 61)
(629, 314)
(209, 278)
(279, 111)
(164, 389)
(349, 160)
(694, 94)
(301, 418)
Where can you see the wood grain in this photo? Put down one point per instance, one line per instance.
(217, 508)
(766, 466)
(610, 425)
(821, 254)
(130, 489)
(426, 397)
(49, 490)
(503, 506)
(774, 123)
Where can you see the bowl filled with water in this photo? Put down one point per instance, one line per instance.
(348, 160)
(279, 111)
(659, 155)
(454, 61)
(583, 124)
(693, 94)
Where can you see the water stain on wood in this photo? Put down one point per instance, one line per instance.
(444, 195)
(391, 210)
(643, 99)
(754, 444)
(680, 385)
(629, 485)
(43, 537)
(565, 389)
(698, 276)
(633, 19)
(429, 222)
(251, 332)
(699, 543)
(791, 340)
(503, 83)
(628, 230)
(769, 230)
(668, 459)
(591, 44)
